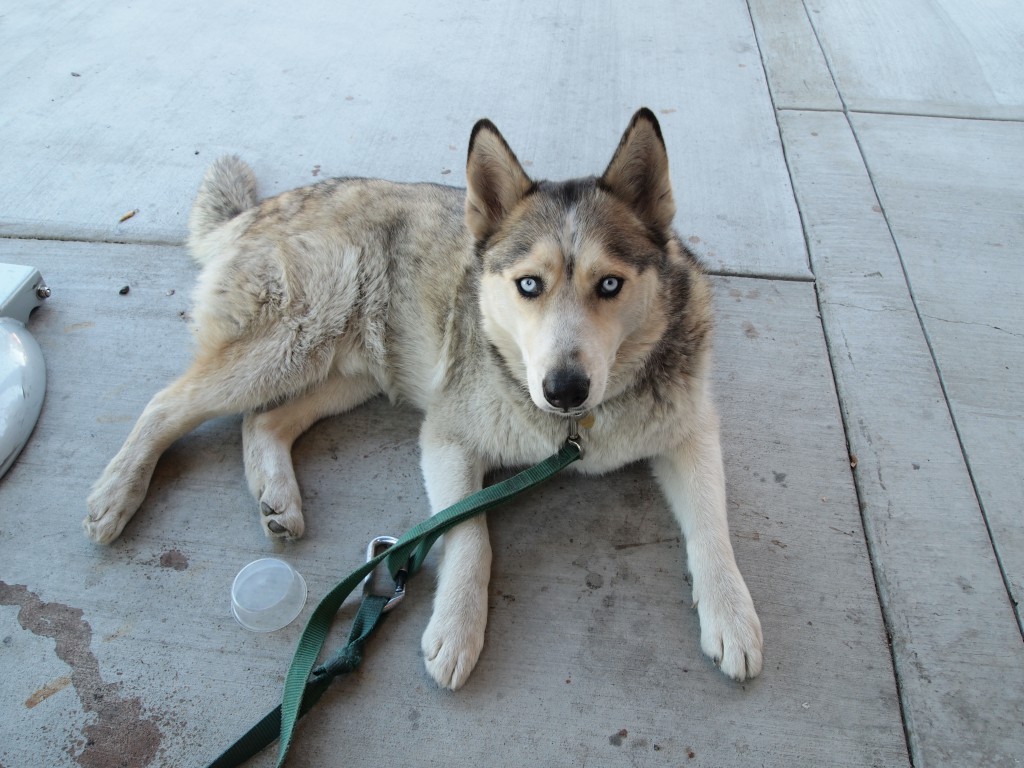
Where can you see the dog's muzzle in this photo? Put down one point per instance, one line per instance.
(566, 389)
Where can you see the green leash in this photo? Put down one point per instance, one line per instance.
(304, 685)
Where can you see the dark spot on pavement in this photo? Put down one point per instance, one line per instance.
(175, 559)
(616, 739)
(595, 580)
(118, 736)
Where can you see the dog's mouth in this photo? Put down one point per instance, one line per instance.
(566, 413)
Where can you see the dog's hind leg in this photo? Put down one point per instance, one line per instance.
(234, 379)
(267, 439)
(175, 410)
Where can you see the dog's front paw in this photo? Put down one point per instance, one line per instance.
(452, 643)
(730, 632)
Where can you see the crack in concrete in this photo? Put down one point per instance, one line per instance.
(972, 322)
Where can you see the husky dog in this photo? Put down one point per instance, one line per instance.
(501, 311)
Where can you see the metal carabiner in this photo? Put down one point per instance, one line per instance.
(375, 547)
(574, 438)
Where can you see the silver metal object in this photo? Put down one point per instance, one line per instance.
(574, 435)
(375, 547)
(22, 369)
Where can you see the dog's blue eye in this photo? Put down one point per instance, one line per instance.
(530, 287)
(609, 286)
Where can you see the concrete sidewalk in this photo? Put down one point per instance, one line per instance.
(851, 174)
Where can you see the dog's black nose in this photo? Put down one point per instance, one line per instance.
(566, 389)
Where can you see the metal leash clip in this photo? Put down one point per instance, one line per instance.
(574, 436)
(375, 547)
(586, 421)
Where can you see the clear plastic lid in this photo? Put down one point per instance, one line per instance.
(267, 594)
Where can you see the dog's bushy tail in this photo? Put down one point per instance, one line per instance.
(228, 188)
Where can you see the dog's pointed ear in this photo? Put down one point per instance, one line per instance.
(638, 173)
(495, 181)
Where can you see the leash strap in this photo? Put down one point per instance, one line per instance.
(266, 731)
(304, 685)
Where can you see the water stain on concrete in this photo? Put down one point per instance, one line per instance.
(119, 736)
